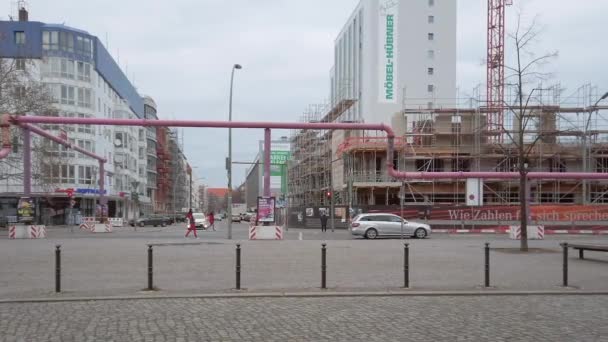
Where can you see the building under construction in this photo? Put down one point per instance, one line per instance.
(560, 135)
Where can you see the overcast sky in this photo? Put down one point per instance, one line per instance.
(181, 52)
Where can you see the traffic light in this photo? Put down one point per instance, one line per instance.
(328, 194)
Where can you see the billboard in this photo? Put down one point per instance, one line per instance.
(387, 50)
(280, 153)
(266, 208)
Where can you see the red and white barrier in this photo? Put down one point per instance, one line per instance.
(507, 230)
(26, 232)
(534, 232)
(116, 221)
(265, 233)
(96, 227)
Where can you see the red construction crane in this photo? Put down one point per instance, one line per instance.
(496, 66)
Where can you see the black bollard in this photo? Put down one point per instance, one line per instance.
(150, 269)
(487, 265)
(58, 268)
(238, 266)
(406, 265)
(565, 268)
(323, 265)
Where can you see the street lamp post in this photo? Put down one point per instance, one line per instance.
(229, 160)
(585, 148)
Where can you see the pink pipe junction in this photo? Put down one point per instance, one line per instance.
(311, 126)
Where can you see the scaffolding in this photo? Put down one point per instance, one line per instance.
(562, 133)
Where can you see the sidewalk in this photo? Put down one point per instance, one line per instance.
(118, 266)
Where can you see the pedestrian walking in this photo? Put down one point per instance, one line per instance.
(212, 220)
(191, 224)
(323, 222)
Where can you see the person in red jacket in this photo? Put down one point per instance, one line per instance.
(191, 224)
(211, 219)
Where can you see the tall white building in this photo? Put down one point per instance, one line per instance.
(395, 54)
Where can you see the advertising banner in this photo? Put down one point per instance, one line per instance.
(387, 51)
(266, 209)
(26, 210)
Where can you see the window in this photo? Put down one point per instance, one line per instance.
(67, 68)
(85, 175)
(50, 40)
(429, 165)
(431, 36)
(431, 3)
(51, 67)
(66, 41)
(430, 71)
(80, 70)
(84, 97)
(87, 72)
(67, 174)
(79, 44)
(67, 95)
(557, 165)
(431, 54)
(19, 92)
(430, 88)
(141, 153)
(461, 165)
(19, 37)
(431, 19)
(20, 64)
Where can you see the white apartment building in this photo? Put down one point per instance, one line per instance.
(395, 54)
(84, 81)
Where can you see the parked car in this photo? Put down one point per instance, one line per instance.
(218, 217)
(152, 220)
(200, 220)
(236, 218)
(372, 226)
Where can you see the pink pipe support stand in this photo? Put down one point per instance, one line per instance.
(267, 162)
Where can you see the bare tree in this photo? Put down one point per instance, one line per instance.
(526, 71)
(20, 94)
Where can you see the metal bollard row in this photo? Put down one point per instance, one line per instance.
(238, 269)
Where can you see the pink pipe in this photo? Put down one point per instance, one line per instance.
(314, 126)
(191, 123)
(5, 125)
(63, 142)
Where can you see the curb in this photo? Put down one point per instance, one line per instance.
(506, 231)
(405, 293)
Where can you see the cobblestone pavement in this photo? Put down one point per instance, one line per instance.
(477, 318)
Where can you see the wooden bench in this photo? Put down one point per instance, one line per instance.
(581, 248)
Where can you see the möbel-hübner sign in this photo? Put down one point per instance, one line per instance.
(387, 52)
